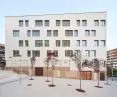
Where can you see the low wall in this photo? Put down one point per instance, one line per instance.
(61, 72)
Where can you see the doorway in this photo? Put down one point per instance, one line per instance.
(39, 71)
(102, 76)
(86, 75)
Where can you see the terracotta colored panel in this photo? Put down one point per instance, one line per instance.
(56, 73)
(71, 74)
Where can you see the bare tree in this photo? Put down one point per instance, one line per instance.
(77, 58)
(47, 64)
(87, 63)
(53, 61)
(97, 70)
(32, 60)
(107, 72)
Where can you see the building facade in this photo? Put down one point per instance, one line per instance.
(34, 35)
(112, 57)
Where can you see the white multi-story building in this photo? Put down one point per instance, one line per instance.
(34, 35)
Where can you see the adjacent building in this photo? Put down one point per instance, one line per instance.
(112, 57)
(35, 35)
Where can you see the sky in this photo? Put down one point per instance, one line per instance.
(37, 7)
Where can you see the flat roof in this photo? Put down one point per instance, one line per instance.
(58, 14)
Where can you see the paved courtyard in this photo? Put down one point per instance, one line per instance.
(40, 88)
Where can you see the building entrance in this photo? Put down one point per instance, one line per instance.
(39, 71)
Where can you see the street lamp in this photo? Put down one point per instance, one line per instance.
(20, 67)
(111, 63)
(33, 60)
(68, 63)
(12, 62)
(96, 64)
(47, 63)
(107, 72)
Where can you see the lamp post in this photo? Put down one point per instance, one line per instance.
(68, 63)
(33, 60)
(47, 63)
(112, 69)
(111, 63)
(11, 62)
(20, 67)
(96, 64)
(77, 58)
(107, 72)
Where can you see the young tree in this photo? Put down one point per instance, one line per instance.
(53, 61)
(107, 72)
(77, 58)
(97, 70)
(47, 64)
(32, 60)
(87, 63)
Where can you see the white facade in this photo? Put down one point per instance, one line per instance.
(90, 24)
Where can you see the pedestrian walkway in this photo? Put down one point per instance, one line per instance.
(64, 88)
(9, 76)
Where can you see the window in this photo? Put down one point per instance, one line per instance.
(58, 23)
(28, 53)
(35, 33)
(96, 43)
(96, 22)
(38, 23)
(102, 63)
(15, 53)
(75, 32)
(87, 52)
(78, 43)
(58, 43)
(28, 33)
(20, 43)
(66, 23)
(26, 23)
(93, 32)
(68, 32)
(103, 22)
(48, 52)
(68, 53)
(15, 33)
(20, 23)
(87, 32)
(55, 32)
(46, 43)
(26, 43)
(78, 22)
(56, 53)
(103, 43)
(93, 53)
(78, 52)
(46, 22)
(66, 43)
(49, 32)
(36, 53)
(84, 22)
(84, 43)
(38, 43)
